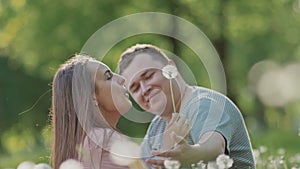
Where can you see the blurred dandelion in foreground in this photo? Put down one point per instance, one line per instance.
(257, 159)
(124, 152)
(199, 165)
(42, 166)
(172, 164)
(224, 161)
(26, 165)
(281, 151)
(71, 164)
(263, 149)
(212, 165)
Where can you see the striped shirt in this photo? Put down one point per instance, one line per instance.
(208, 110)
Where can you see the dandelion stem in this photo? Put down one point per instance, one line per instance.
(284, 165)
(172, 96)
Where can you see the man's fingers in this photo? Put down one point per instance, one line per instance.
(169, 153)
(156, 163)
(178, 139)
(186, 127)
(181, 120)
(174, 118)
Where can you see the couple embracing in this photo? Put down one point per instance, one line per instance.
(192, 123)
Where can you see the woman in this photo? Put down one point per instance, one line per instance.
(88, 99)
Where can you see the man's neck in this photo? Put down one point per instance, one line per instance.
(185, 93)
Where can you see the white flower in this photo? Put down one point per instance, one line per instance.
(124, 152)
(212, 165)
(26, 165)
(172, 164)
(263, 149)
(71, 164)
(200, 165)
(281, 151)
(224, 161)
(169, 71)
(42, 166)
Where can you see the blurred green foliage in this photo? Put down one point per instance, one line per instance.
(37, 36)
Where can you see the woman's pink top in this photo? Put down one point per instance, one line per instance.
(95, 153)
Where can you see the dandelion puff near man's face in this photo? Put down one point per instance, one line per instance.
(170, 72)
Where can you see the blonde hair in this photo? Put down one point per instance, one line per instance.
(74, 110)
(127, 56)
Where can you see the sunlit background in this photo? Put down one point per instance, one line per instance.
(258, 43)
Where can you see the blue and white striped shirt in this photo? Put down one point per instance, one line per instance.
(208, 110)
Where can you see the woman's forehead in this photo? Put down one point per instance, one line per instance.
(96, 65)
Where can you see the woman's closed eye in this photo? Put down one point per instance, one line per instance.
(108, 75)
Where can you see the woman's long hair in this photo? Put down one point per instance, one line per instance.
(74, 109)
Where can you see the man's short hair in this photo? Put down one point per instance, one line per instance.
(127, 56)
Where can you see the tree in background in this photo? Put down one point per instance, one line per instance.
(37, 36)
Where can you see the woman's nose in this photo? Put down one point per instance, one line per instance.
(120, 79)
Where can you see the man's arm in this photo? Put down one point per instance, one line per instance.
(210, 145)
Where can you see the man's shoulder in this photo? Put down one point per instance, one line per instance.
(157, 121)
(157, 125)
(206, 91)
(206, 95)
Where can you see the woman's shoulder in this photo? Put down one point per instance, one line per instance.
(103, 136)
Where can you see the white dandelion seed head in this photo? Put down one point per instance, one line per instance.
(26, 165)
(169, 71)
(71, 164)
(281, 151)
(171, 164)
(263, 149)
(42, 166)
(297, 157)
(224, 161)
(256, 154)
(212, 165)
(124, 152)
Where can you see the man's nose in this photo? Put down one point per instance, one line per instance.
(144, 88)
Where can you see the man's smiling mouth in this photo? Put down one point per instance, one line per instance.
(151, 95)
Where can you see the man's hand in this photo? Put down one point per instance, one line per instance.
(209, 147)
(180, 126)
(182, 152)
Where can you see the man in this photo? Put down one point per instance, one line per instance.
(217, 126)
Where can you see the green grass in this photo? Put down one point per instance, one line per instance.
(275, 139)
(272, 139)
(36, 155)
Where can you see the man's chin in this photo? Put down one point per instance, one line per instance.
(157, 111)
